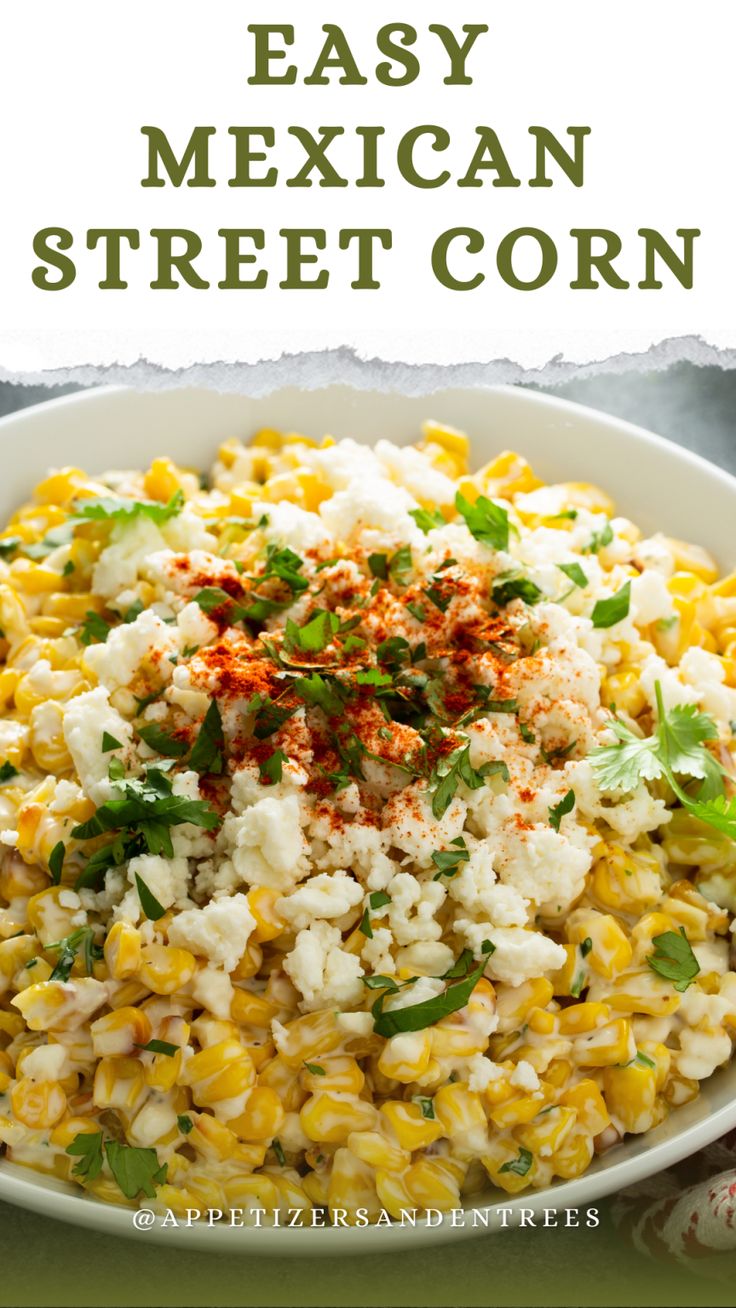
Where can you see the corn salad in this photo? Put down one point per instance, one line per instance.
(366, 834)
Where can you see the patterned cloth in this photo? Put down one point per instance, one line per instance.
(688, 1213)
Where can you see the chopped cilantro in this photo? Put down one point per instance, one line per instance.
(7, 772)
(674, 959)
(509, 588)
(109, 742)
(94, 627)
(607, 612)
(56, 861)
(271, 769)
(486, 521)
(519, 1165)
(427, 519)
(566, 805)
(575, 573)
(149, 903)
(161, 741)
(107, 509)
(209, 747)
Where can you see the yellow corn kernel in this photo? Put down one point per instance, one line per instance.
(38, 1103)
(165, 969)
(262, 1117)
(118, 1033)
(541, 1021)
(338, 1072)
(406, 1057)
(514, 1003)
(546, 1135)
(316, 1186)
(249, 964)
(630, 1094)
(574, 1155)
(411, 1128)
(69, 1127)
(223, 1071)
(506, 475)
(292, 1197)
(643, 992)
(46, 739)
(589, 1105)
(582, 1017)
(624, 689)
(454, 441)
(119, 1083)
(162, 480)
(681, 1090)
(431, 1184)
(459, 1109)
(122, 950)
(453, 1039)
(262, 903)
(210, 1138)
(392, 1192)
(374, 1148)
(252, 1010)
(21, 880)
(306, 1037)
(33, 578)
(352, 1187)
(285, 1081)
(330, 1117)
(605, 1046)
(14, 954)
(520, 1109)
(610, 950)
(693, 559)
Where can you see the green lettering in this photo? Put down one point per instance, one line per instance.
(489, 154)
(263, 54)
(602, 262)
(370, 137)
(159, 150)
(572, 165)
(112, 237)
(167, 261)
(505, 257)
(43, 250)
(405, 155)
(682, 268)
(474, 244)
(335, 53)
(245, 155)
(365, 237)
(316, 157)
(458, 52)
(397, 54)
(296, 258)
(235, 258)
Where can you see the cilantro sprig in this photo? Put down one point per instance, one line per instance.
(133, 1169)
(674, 959)
(454, 768)
(677, 748)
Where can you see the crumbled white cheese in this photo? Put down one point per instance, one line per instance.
(220, 931)
(323, 896)
(321, 970)
(87, 718)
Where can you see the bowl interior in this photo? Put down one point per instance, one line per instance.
(658, 485)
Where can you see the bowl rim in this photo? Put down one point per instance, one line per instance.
(28, 1189)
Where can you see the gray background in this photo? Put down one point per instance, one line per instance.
(694, 406)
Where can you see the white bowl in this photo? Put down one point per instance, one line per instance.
(658, 485)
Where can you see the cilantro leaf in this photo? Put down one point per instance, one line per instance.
(454, 768)
(566, 805)
(372, 677)
(160, 1047)
(82, 939)
(378, 564)
(575, 573)
(400, 566)
(107, 509)
(135, 1170)
(448, 861)
(510, 588)
(674, 959)
(427, 519)
(109, 743)
(271, 769)
(56, 861)
(486, 521)
(184, 1123)
(315, 635)
(161, 741)
(318, 692)
(149, 903)
(415, 1017)
(269, 716)
(519, 1165)
(208, 752)
(7, 772)
(607, 612)
(87, 1147)
(599, 539)
(94, 627)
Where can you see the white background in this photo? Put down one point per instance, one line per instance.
(652, 78)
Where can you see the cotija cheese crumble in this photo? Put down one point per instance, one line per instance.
(366, 828)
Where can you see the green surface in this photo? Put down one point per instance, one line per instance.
(49, 1263)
